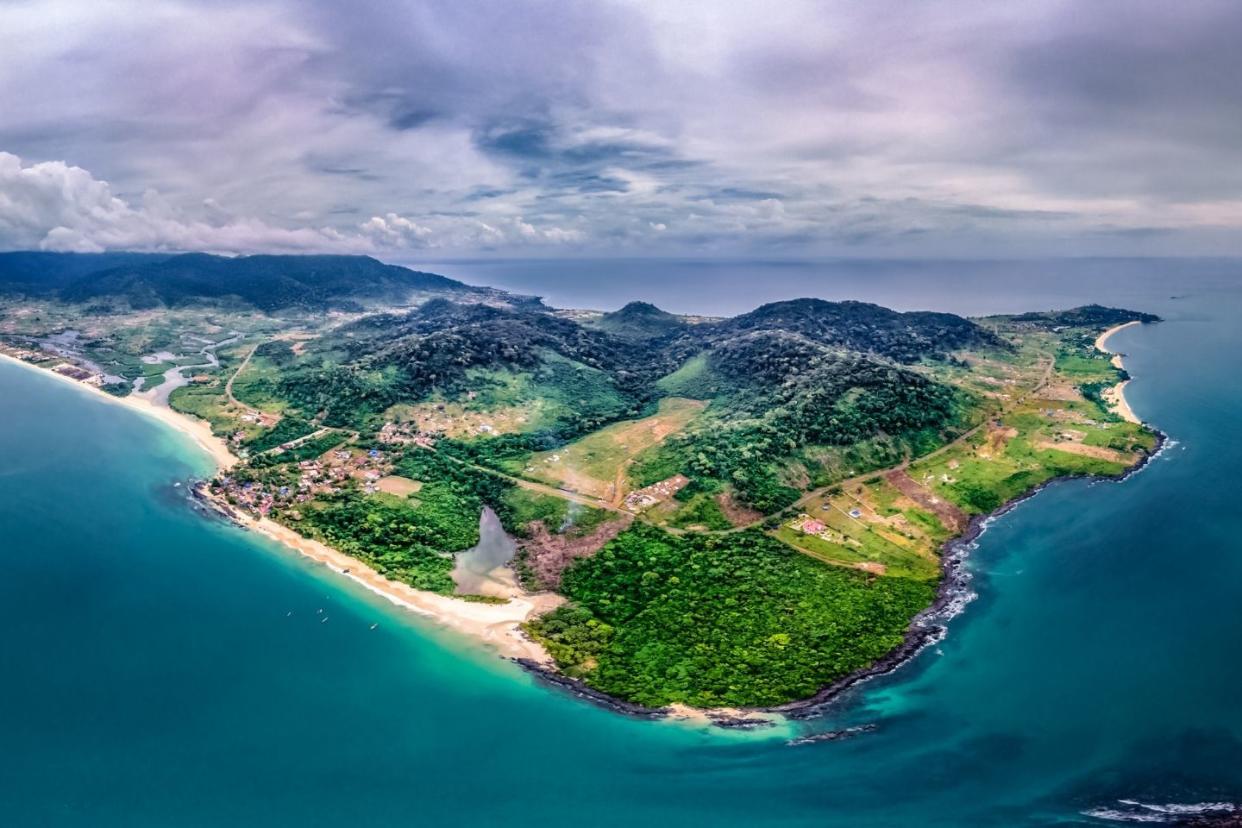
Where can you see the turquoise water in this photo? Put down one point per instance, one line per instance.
(161, 669)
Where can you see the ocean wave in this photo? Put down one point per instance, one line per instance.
(1133, 810)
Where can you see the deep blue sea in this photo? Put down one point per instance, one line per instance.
(161, 669)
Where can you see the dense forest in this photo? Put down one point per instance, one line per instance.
(39, 273)
(265, 283)
(858, 326)
(736, 620)
(639, 320)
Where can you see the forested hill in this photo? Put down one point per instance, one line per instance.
(639, 320)
(38, 273)
(779, 380)
(1087, 316)
(859, 326)
(268, 283)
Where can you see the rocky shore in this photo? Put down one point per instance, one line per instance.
(928, 627)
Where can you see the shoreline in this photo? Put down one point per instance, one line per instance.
(1116, 396)
(495, 625)
(198, 430)
(927, 627)
(952, 596)
(498, 625)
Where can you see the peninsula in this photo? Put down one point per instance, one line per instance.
(717, 513)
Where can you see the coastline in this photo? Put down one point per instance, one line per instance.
(198, 430)
(926, 628)
(952, 596)
(1116, 396)
(496, 625)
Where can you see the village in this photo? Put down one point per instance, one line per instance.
(65, 369)
(298, 483)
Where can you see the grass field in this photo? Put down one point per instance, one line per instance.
(1033, 443)
(595, 465)
(870, 526)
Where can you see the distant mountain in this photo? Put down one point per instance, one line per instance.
(639, 320)
(268, 283)
(37, 273)
(1087, 316)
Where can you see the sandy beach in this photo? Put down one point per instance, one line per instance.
(196, 429)
(1116, 396)
(495, 624)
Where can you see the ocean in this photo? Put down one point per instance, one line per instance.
(159, 668)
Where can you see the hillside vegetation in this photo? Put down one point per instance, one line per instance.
(737, 511)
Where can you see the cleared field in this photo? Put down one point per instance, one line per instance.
(400, 486)
(463, 421)
(596, 464)
(872, 526)
(1039, 440)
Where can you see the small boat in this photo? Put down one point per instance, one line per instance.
(325, 620)
(373, 626)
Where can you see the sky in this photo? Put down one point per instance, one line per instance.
(533, 128)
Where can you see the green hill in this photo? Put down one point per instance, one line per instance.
(639, 320)
(38, 273)
(268, 283)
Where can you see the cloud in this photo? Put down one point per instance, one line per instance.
(396, 231)
(622, 127)
(54, 206)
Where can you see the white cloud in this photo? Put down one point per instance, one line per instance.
(51, 205)
(393, 230)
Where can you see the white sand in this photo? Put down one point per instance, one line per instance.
(495, 624)
(1116, 396)
(197, 429)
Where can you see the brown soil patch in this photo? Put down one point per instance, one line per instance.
(950, 515)
(1061, 392)
(998, 438)
(1098, 452)
(737, 514)
(547, 555)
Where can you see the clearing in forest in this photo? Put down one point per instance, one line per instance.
(596, 464)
